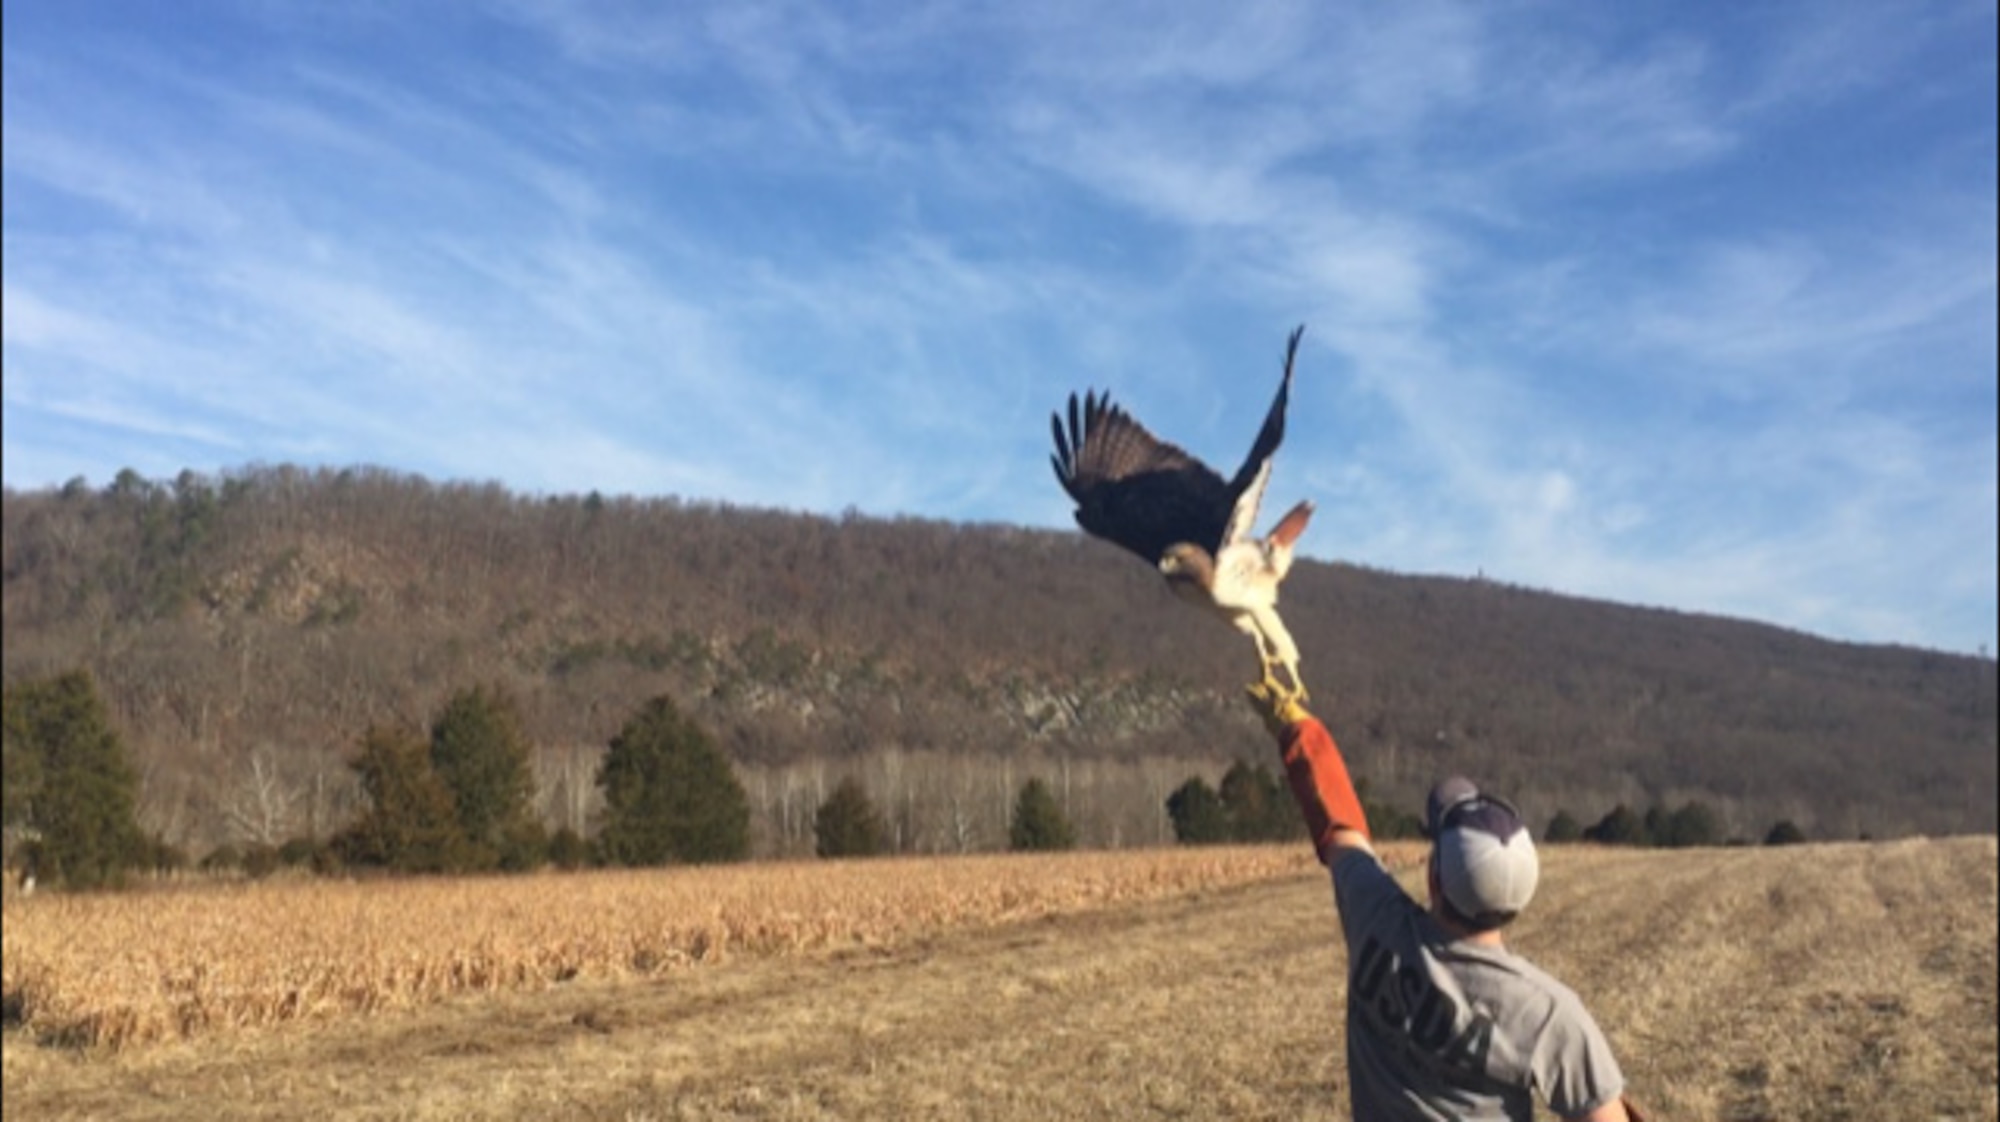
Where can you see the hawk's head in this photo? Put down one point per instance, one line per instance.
(1185, 561)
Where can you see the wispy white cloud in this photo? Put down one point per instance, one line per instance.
(1615, 302)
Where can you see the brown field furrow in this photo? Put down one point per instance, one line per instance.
(1751, 984)
(1848, 981)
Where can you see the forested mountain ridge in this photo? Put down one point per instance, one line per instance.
(246, 630)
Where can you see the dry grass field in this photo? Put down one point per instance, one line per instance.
(1849, 981)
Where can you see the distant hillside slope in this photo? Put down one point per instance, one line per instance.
(282, 611)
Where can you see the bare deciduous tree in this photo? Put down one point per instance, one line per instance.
(261, 804)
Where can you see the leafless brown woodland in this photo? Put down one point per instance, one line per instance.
(247, 629)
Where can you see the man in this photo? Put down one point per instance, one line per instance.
(1443, 1021)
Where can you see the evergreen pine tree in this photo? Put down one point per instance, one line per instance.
(1258, 809)
(1198, 814)
(1656, 829)
(21, 778)
(1785, 832)
(1039, 822)
(83, 805)
(410, 824)
(847, 824)
(1563, 828)
(482, 756)
(670, 794)
(1695, 823)
(1619, 827)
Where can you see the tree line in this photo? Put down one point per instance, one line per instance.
(457, 797)
(454, 798)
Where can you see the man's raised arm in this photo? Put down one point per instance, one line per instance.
(1317, 773)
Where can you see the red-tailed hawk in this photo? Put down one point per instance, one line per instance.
(1173, 510)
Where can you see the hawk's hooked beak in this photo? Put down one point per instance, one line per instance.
(1188, 562)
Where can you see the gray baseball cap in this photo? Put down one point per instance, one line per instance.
(1486, 862)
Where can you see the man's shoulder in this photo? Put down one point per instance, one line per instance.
(1354, 857)
(1516, 983)
(1367, 894)
(1358, 871)
(1531, 974)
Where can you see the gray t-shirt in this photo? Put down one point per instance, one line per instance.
(1442, 1029)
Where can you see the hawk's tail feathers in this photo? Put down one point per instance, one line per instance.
(1292, 524)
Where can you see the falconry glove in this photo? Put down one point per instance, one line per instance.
(1279, 708)
(1313, 768)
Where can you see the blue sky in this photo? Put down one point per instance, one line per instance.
(1688, 305)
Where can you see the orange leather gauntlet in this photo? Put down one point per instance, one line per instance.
(1320, 783)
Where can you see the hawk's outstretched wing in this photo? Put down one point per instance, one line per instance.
(1247, 488)
(1133, 488)
(1146, 494)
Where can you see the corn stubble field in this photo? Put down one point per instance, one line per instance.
(1827, 981)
